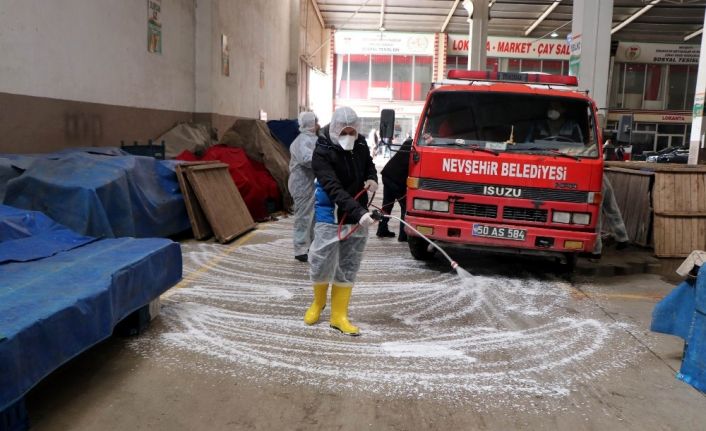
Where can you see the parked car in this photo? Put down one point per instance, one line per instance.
(652, 156)
(678, 156)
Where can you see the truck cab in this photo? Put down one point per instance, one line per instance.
(506, 163)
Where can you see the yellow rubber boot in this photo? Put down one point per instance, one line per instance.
(314, 311)
(340, 297)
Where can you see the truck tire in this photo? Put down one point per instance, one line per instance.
(419, 248)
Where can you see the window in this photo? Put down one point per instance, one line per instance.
(492, 64)
(359, 71)
(423, 69)
(551, 66)
(510, 122)
(531, 65)
(634, 86)
(616, 90)
(691, 88)
(653, 87)
(513, 65)
(678, 77)
(402, 77)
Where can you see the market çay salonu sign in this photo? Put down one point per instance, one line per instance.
(515, 47)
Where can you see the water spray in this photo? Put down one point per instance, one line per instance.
(378, 215)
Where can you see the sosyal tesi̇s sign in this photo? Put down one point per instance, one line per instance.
(657, 53)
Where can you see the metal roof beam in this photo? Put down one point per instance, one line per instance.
(382, 15)
(542, 17)
(634, 16)
(448, 17)
(693, 35)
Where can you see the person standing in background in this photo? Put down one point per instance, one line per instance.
(301, 183)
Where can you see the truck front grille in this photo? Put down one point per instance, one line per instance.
(475, 210)
(529, 193)
(525, 214)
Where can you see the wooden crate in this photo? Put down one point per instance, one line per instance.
(221, 201)
(679, 204)
(632, 193)
(678, 236)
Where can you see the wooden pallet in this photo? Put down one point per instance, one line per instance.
(199, 223)
(221, 201)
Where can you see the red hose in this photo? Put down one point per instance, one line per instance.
(356, 226)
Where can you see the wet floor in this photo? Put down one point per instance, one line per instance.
(516, 346)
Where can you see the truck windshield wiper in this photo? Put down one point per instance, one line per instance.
(552, 151)
(473, 147)
(484, 150)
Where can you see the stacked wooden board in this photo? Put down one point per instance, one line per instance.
(213, 202)
(675, 198)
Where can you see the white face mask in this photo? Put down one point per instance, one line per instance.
(346, 142)
(553, 114)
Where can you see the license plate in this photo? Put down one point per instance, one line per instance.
(499, 232)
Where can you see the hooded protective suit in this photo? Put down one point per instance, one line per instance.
(340, 175)
(301, 183)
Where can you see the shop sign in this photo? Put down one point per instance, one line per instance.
(653, 118)
(514, 47)
(376, 42)
(657, 53)
(575, 56)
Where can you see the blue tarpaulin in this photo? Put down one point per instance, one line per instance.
(29, 235)
(100, 192)
(285, 130)
(683, 313)
(54, 308)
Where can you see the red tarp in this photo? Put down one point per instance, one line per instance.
(254, 182)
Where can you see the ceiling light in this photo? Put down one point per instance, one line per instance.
(382, 29)
(468, 5)
(554, 34)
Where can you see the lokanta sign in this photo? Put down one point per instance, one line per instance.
(369, 42)
(514, 47)
(657, 53)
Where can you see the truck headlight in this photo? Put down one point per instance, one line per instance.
(561, 217)
(581, 218)
(440, 206)
(422, 204)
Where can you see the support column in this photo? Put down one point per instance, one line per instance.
(477, 34)
(203, 57)
(293, 71)
(590, 49)
(697, 152)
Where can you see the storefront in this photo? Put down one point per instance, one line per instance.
(381, 70)
(652, 93)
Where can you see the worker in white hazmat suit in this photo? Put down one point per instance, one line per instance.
(345, 174)
(301, 183)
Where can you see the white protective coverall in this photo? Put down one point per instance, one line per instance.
(301, 183)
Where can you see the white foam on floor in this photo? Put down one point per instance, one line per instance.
(425, 334)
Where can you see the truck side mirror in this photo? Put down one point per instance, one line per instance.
(387, 124)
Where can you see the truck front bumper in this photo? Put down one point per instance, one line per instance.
(539, 239)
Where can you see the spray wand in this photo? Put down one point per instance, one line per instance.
(379, 215)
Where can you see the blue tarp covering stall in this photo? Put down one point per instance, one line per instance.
(284, 130)
(97, 192)
(71, 296)
(683, 313)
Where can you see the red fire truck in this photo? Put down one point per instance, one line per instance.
(509, 162)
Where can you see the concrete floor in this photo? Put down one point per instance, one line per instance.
(514, 347)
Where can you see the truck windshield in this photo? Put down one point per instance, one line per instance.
(510, 122)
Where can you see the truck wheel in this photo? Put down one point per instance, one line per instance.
(419, 248)
(567, 269)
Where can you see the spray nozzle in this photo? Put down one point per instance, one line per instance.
(377, 215)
